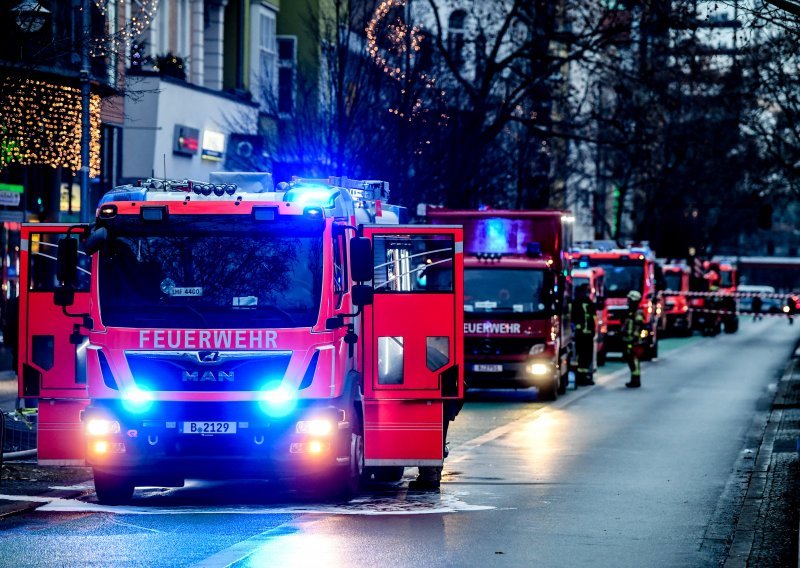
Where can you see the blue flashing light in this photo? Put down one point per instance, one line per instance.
(311, 195)
(583, 264)
(497, 235)
(136, 400)
(277, 400)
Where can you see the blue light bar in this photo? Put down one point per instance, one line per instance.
(320, 195)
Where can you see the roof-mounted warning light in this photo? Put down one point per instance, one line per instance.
(310, 194)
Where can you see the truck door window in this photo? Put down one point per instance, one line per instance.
(43, 259)
(413, 263)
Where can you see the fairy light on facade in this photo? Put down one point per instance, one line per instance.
(142, 13)
(42, 125)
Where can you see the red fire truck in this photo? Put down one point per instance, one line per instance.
(594, 279)
(517, 294)
(224, 329)
(677, 313)
(626, 269)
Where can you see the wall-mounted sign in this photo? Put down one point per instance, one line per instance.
(213, 146)
(10, 194)
(185, 140)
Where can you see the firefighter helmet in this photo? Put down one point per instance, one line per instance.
(634, 296)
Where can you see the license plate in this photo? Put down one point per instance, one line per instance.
(209, 427)
(487, 368)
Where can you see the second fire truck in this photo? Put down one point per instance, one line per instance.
(517, 294)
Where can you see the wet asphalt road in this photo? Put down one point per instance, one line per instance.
(603, 477)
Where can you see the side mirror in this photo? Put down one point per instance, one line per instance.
(96, 241)
(363, 295)
(362, 264)
(64, 295)
(67, 261)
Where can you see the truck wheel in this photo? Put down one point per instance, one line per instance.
(346, 482)
(112, 489)
(563, 382)
(384, 474)
(732, 325)
(549, 392)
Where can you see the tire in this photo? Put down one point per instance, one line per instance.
(384, 474)
(112, 489)
(563, 383)
(549, 393)
(346, 481)
(732, 325)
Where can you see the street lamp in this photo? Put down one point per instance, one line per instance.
(30, 16)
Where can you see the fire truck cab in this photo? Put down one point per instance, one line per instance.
(517, 297)
(626, 269)
(677, 317)
(229, 330)
(594, 279)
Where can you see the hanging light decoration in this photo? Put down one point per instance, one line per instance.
(42, 125)
(401, 41)
(142, 13)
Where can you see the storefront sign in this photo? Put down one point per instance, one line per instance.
(185, 140)
(213, 146)
(10, 194)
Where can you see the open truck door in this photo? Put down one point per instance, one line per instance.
(413, 343)
(52, 358)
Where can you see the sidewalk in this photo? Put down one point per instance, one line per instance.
(767, 529)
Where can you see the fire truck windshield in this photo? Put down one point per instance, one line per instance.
(672, 280)
(622, 275)
(726, 279)
(242, 279)
(506, 290)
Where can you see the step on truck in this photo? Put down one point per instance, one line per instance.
(229, 330)
(626, 268)
(517, 296)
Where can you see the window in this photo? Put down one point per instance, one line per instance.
(264, 53)
(413, 263)
(287, 64)
(455, 36)
(43, 260)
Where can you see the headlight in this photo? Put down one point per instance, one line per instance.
(538, 369)
(786, 309)
(537, 348)
(100, 427)
(644, 334)
(316, 427)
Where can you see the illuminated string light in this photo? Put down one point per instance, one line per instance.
(142, 14)
(42, 125)
(402, 41)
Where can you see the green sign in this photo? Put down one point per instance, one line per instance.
(12, 187)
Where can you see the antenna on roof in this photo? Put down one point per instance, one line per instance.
(165, 167)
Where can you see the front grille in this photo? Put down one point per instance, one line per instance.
(499, 346)
(219, 371)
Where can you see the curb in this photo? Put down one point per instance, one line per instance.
(19, 507)
(744, 531)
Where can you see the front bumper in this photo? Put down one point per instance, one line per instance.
(155, 448)
(509, 374)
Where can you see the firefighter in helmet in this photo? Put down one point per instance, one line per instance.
(584, 316)
(632, 326)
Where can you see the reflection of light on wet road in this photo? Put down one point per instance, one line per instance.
(541, 442)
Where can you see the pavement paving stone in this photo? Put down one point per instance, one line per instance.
(776, 491)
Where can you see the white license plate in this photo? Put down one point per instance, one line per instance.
(487, 368)
(209, 427)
